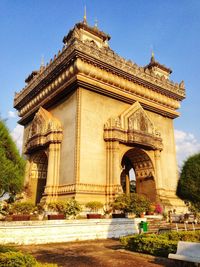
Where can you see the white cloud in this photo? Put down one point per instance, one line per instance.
(12, 114)
(17, 135)
(186, 145)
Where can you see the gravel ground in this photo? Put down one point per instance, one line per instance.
(104, 253)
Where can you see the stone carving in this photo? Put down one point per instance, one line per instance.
(133, 126)
(104, 54)
(45, 129)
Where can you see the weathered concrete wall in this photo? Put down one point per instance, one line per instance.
(43, 232)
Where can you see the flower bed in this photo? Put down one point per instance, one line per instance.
(158, 245)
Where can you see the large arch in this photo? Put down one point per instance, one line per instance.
(42, 146)
(138, 160)
(38, 175)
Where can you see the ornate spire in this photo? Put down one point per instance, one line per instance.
(42, 62)
(96, 23)
(152, 56)
(85, 16)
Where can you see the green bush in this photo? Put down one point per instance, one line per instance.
(10, 257)
(57, 206)
(70, 207)
(158, 245)
(4, 249)
(149, 245)
(131, 203)
(94, 205)
(22, 208)
(16, 259)
(189, 182)
(39, 264)
(192, 236)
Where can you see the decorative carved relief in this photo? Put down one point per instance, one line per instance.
(133, 126)
(105, 55)
(45, 129)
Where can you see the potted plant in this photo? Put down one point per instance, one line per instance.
(94, 206)
(107, 213)
(151, 209)
(133, 203)
(3, 210)
(120, 206)
(40, 211)
(158, 209)
(21, 211)
(56, 210)
(72, 208)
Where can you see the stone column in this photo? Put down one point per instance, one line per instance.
(113, 169)
(53, 169)
(158, 171)
(127, 185)
(115, 164)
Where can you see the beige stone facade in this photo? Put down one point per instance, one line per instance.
(90, 117)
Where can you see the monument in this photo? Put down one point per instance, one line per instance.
(91, 117)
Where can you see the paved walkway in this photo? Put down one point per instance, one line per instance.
(101, 253)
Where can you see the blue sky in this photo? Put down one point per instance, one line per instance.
(30, 29)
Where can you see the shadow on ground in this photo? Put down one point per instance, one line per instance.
(98, 253)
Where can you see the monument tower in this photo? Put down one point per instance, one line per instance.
(90, 117)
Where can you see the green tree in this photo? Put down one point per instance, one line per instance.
(189, 182)
(11, 164)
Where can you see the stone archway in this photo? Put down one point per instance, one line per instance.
(38, 175)
(42, 146)
(133, 129)
(144, 173)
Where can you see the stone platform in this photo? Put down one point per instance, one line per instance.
(55, 231)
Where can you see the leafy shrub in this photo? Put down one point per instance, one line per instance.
(12, 165)
(16, 259)
(192, 236)
(40, 208)
(57, 206)
(70, 207)
(159, 245)
(38, 264)
(158, 208)
(4, 249)
(10, 257)
(131, 203)
(150, 245)
(94, 205)
(22, 208)
(3, 208)
(189, 182)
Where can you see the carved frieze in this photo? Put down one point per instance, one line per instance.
(133, 127)
(102, 57)
(44, 129)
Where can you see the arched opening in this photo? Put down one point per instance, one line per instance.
(137, 174)
(38, 175)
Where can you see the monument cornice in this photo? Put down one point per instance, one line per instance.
(81, 73)
(104, 58)
(107, 59)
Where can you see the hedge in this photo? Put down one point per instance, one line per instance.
(158, 245)
(10, 257)
(16, 259)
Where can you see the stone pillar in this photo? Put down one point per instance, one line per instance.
(158, 171)
(127, 184)
(115, 164)
(53, 169)
(113, 170)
